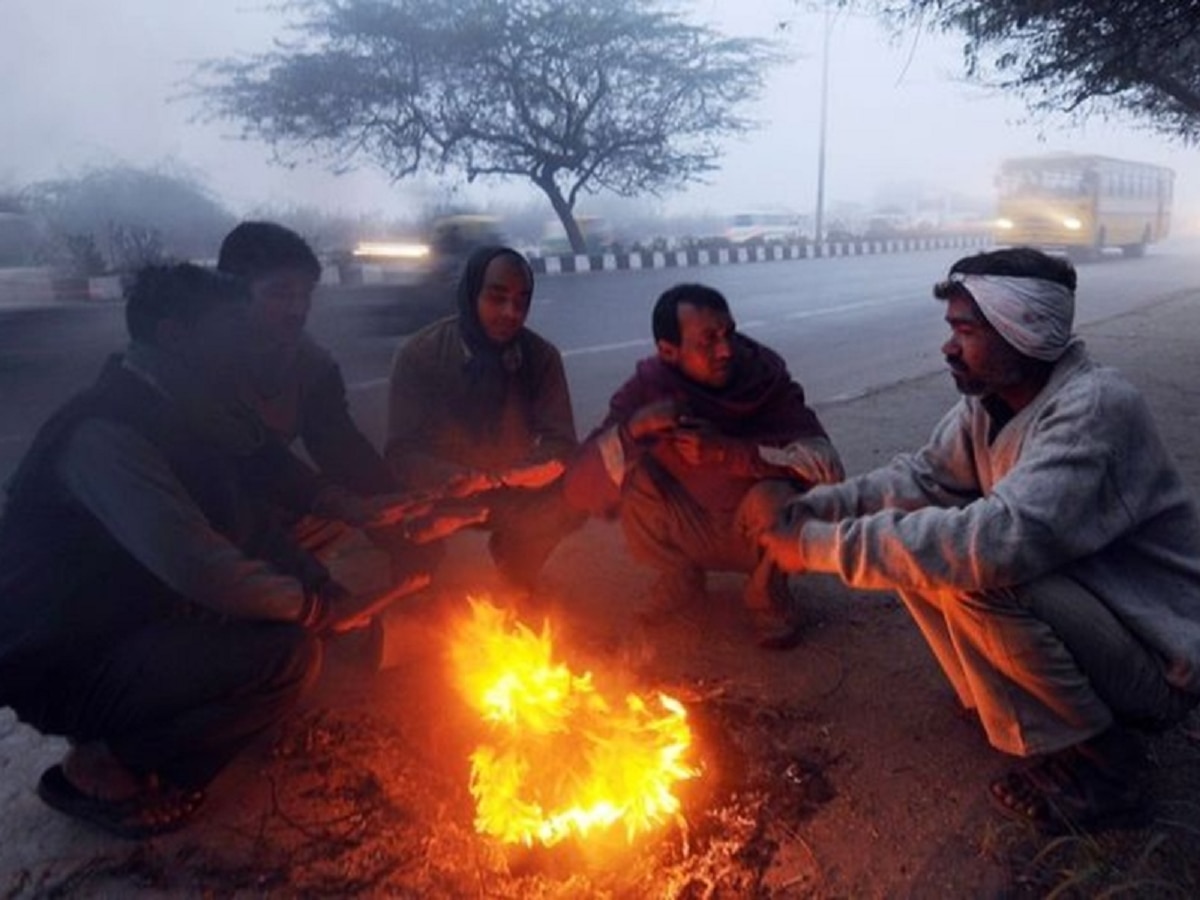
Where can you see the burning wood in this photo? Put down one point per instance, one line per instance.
(564, 757)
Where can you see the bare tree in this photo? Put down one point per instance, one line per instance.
(139, 215)
(1139, 58)
(617, 95)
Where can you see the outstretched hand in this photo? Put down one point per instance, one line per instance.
(534, 475)
(698, 443)
(467, 484)
(655, 418)
(390, 509)
(345, 611)
(378, 511)
(445, 522)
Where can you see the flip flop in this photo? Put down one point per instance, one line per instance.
(151, 812)
(1064, 793)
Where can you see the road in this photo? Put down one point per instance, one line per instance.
(846, 325)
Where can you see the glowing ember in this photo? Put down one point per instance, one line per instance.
(563, 758)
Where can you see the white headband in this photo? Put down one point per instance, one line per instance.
(1033, 315)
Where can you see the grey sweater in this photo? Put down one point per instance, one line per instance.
(1079, 483)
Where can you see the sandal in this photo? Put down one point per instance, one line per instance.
(154, 811)
(1066, 792)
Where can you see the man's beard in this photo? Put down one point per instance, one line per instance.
(972, 384)
(967, 385)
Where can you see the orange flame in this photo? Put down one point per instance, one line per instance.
(563, 759)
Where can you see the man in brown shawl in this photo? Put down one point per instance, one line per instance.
(698, 449)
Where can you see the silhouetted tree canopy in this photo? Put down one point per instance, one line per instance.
(1139, 58)
(617, 95)
(131, 215)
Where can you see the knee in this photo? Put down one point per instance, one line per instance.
(642, 497)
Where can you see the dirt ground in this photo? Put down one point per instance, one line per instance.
(838, 769)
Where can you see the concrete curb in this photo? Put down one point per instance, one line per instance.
(672, 259)
(367, 273)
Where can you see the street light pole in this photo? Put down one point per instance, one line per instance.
(819, 224)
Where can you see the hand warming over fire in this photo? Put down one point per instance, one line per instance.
(444, 523)
(698, 443)
(390, 509)
(468, 483)
(654, 419)
(534, 475)
(334, 610)
(369, 512)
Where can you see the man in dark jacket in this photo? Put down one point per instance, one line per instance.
(297, 389)
(149, 611)
(294, 384)
(478, 406)
(698, 450)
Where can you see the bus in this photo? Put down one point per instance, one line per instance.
(1082, 203)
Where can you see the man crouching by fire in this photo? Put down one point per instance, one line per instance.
(1044, 542)
(148, 612)
(700, 447)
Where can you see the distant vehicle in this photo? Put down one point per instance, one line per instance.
(453, 238)
(424, 275)
(1083, 203)
(763, 227)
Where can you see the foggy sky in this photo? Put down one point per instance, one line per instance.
(87, 82)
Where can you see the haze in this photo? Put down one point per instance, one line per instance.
(98, 84)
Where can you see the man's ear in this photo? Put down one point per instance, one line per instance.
(668, 352)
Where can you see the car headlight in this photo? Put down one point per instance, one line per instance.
(1004, 224)
(1071, 223)
(391, 250)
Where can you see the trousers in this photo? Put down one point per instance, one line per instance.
(667, 528)
(180, 698)
(1045, 664)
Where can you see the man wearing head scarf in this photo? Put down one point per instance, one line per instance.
(1043, 541)
(479, 408)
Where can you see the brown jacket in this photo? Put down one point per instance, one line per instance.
(442, 419)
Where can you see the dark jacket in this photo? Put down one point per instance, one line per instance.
(68, 588)
(440, 411)
(305, 397)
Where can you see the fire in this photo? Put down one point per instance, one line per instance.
(563, 758)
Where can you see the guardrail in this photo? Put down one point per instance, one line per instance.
(679, 259)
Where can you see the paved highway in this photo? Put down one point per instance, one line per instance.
(845, 325)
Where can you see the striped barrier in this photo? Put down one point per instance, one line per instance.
(693, 257)
(108, 287)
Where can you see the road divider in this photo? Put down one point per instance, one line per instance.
(692, 257)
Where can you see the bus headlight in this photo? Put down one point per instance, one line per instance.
(1071, 223)
(1004, 224)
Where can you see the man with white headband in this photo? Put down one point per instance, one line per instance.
(1044, 542)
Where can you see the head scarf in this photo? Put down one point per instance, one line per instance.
(489, 365)
(469, 286)
(1033, 315)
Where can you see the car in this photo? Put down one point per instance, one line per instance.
(429, 291)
